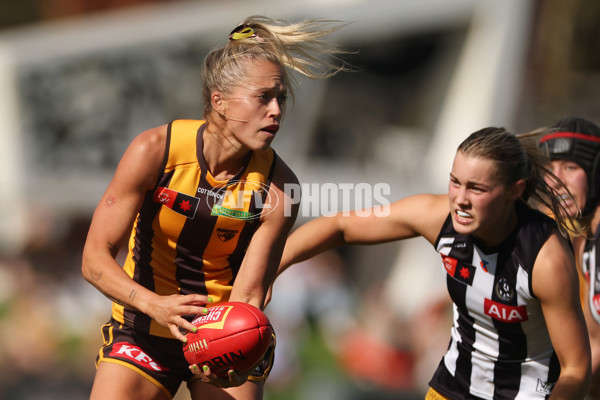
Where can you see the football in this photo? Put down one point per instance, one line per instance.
(232, 335)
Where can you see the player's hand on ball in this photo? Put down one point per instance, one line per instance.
(232, 336)
(168, 311)
(232, 379)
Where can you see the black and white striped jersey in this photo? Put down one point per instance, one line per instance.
(499, 348)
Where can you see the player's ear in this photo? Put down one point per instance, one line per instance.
(517, 189)
(216, 101)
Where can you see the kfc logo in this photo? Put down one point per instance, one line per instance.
(135, 354)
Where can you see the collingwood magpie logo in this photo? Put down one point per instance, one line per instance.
(504, 290)
(544, 387)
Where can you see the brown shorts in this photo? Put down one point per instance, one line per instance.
(159, 360)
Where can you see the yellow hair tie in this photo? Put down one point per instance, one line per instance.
(241, 32)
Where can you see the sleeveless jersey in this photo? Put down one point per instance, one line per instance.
(589, 266)
(192, 231)
(500, 348)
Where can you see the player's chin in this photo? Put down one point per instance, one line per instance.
(264, 145)
(264, 141)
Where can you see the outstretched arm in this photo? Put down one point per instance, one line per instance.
(555, 283)
(418, 215)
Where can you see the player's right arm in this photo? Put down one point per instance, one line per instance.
(418, 215)
(113, 218)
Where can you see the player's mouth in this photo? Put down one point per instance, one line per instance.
(566, 199)
(271, 129)
(462, 217)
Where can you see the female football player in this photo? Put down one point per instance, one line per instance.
(573, 145)
(197, 203)
(518, 329)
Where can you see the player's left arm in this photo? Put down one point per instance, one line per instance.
(594, 334)
(555, 283)
(259, 267)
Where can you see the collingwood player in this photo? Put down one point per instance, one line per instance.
(518, 330)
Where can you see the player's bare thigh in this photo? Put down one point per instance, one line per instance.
(248, 391)
(114, 381)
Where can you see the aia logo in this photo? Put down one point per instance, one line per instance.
(135, 354)
(505, 313)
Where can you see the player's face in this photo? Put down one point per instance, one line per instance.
(480, 204)
(253, 109)
(575, 180)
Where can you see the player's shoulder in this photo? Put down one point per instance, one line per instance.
(436, 204)
(424, 213)
(151, 141)
(144, 156)
(283, 174)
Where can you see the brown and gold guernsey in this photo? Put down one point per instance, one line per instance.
(192, 231)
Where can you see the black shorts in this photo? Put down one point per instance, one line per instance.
(159, 360)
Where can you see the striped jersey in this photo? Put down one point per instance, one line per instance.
(500, 348)
(589, 266)
(192, 231)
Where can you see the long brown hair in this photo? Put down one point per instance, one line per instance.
(519, 157)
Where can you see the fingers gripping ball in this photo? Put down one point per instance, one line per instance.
(231, 336)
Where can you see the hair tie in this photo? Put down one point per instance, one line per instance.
(242, 31)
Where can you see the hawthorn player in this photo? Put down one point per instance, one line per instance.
(190, 243)
(573, 145)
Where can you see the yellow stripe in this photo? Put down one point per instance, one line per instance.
(182, 149)
(106, 342)
(170, 224)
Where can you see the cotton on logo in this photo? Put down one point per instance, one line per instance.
(502, 312)
(136, 355)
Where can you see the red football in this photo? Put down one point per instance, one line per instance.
(231, 336)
